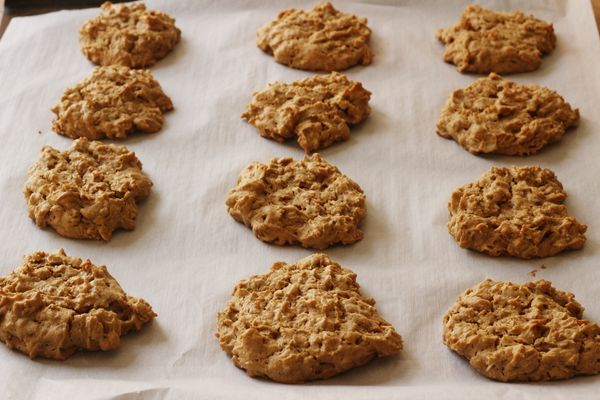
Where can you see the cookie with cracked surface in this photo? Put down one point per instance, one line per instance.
(494, 115)
(128, 35)
(303, 321)
(111, 103)
(54, 305)
(522, 333)
(316, 111)
(515, 211)
(485, 41)
(322, 39)
(307, 202)
(86, 191)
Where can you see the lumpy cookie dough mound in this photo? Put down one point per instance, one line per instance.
(308, 202)
(529, 332)
(128, 35)
(493, 115)
(54, 305)
(323, 39)
(514, 211)
(113, 102)
(485, 41)
(316, 111)
(86, 191)
(303, 321)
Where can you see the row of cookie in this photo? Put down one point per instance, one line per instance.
(301, 321)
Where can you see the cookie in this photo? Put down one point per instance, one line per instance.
(494, 115)
(316, 111)
(86, 191)
(307, 202)
(522, 333)
(485, 41)
(514, 211)
(323, 39)
(111, 103)
(128, 35)
(54, 305)
(303, 321)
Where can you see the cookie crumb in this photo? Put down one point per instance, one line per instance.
(532, 273)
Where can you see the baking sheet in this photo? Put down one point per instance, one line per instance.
(187, 253)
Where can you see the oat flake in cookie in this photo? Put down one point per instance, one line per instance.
(316, 111)
(322, 39)
(303, 321)
(516, 211)
(86, 191)
(307, 202)
(112, 103)
(521, 333)
(494, 115)
(485, 41)
(128, 35)
(54, 305)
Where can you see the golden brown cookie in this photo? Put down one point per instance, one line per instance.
(113, 102)
(514, 211)
(128, 35)
(493, 115)
(485, 41)
(308, 202)
(316, 111)
(54, 305)
(522, 333)
(303, 321)
(322, 39)
(86, 191)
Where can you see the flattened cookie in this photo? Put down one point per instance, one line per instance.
(522, 333)
(86, 191)
(514, 211)
(308, 202)
(113, 102)
(493, 115)
(303, 321)
(485, 41)
(323, 39)
(317, 110)
(54, 305)
(128, 35)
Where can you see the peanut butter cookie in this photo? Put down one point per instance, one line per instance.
(493, 115)
(113, 102)
(303, 321)
(308, 202)
(316, 111)
(54, 305)
(128, 35)
(514, 211)
(521, 333)
(323, 39)
(86, 191)
(485, 41)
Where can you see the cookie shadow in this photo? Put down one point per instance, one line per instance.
(145, 223)
(174, 57)
(376, 372)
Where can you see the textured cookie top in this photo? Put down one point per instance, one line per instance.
(323, 39)
(303, 321)
(316, 111)
(128, 35)
(514, 211)
(529, 332)
(54, 304)
(86, 191)
(308, 202)
(113, 102)
(493, 115)
(485, 41)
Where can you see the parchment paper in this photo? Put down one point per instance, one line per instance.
(187, 253)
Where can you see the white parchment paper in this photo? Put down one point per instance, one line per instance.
(187, 253)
